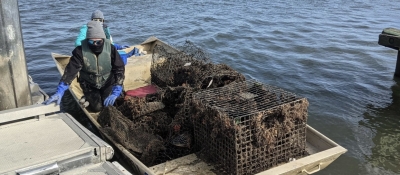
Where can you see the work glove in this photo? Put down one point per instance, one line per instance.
(120, 47)
(115, 92)
(134, 51)
(62, 87)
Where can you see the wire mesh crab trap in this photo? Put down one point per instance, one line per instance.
(248, 127)
(178, 66)
(190, 66)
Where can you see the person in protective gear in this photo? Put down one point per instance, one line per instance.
(100, 67)
(97, 15)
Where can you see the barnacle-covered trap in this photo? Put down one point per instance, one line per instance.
(247, 127)
(190, 66)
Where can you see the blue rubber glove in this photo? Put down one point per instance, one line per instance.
(62, 87)
(134, 51)
(116, 92)
(119, 47)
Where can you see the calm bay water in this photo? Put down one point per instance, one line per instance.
(326, 51)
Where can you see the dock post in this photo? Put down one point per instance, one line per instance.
(14, 84)
(397, 71)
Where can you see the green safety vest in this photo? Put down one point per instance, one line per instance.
(96, 70)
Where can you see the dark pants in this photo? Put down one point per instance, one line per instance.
(95, 96)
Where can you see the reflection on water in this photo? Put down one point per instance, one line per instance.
(385, 125)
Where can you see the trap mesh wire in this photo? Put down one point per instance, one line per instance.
(182, 65)
(189, 66)
(248, 127)
(131, 135)
(150, 115)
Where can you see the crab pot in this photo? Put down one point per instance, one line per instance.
(131, 135)
(178, 67)
(248, 127)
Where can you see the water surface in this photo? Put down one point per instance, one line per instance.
(326, 51)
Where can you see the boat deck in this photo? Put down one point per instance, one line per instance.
(32, 139)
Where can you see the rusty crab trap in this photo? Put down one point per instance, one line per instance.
(248, 127)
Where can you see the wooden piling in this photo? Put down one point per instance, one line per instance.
(14, 84)
(390, 37)
(397, 71)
